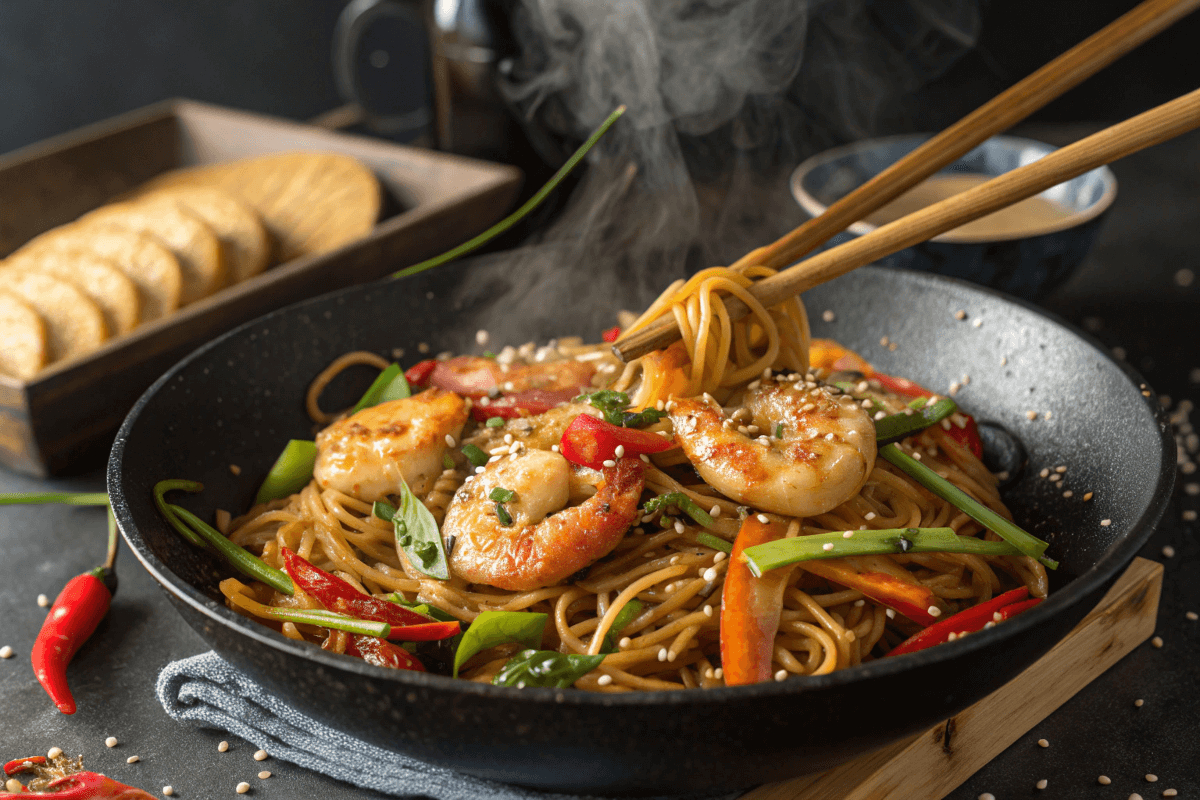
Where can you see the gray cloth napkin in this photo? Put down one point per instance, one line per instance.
(208, 691)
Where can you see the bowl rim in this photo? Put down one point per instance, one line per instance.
(1105, 569)
(814, 207)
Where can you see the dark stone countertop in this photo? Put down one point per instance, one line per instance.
(1128, 294)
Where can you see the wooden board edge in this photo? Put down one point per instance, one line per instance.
(932, 764)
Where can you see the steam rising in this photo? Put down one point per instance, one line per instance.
(725, 98)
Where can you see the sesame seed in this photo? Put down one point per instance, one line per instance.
(846, 535)
(977, 323)
(662, 654)
(781, 675)
(1168, 551)
(1043, 743)
(261, 755)
(1068, 493)
(1189, 516)
(1169, 792)
(481, 337)
(6, 652)
(715, 511)
(934, 611)
(1192, 615)
(1042, 784)
(262, 776)
(1139, 703)
(710, 574)
(222, 747)
(1003, 360)
(1087, 496)
(479, 470)
(679, 528)
(891, 613)
(1135, 796)
(1157, 641)
(1045, 473)
(1104, 780)
(168, 790)
(719, 673)
(43, 601)
(827, 546)
(608, 462)
(880, 415)
(763, 519)
(960, 315)
(708, 611)
(916, 456)
(1104, 523)
(13, 785)
(828, 316)
(423, 347)
(619, 452)
(1151, 778)
(1047, 415)
(132, 760)
(54, 752)
(243, 787)
(1192, 489)
(987, 796)
(883, 341)
(1031, 415)
(719, 557)
(112, 742)
(1055, 478)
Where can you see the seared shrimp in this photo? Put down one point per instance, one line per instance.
(546, 541)
(366, 454)
(814, 451)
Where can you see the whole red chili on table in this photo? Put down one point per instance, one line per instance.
(62, 779)
(76, 612)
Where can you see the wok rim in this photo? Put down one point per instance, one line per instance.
(1081, 586)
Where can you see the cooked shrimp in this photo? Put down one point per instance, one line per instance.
(547, 541)
(366, 454)
(814, 452)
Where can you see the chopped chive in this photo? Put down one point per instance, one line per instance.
(488, 354)
(683, 503)
(515, 217)
(779, 430)
(620, 623)
(474, 455)
(494, 422)
(783, 552)
(239, 558)
(447, 461)
(715, 542)
(164, 508)
(895, 427)
(502, 495)
(65, 498)
(503, 515)
(1025, 542)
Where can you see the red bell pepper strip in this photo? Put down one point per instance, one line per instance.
(910, 599)
(76, 612)
(750, 608)
(336, 594)
(418, 374)
(967, 436)
(900, 386)
(528, 403)
(966, 621)
(1011, 610)
(612, 334)
(382, 653)
(590, 441)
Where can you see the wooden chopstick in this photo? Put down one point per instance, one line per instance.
(1009, 107)
(1137, 133)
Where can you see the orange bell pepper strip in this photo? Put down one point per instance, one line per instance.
(750, 608)
(910, 599)
(828, 354)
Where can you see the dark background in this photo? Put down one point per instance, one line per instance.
(68, 63)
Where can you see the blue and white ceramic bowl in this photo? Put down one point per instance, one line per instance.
(1028, 266)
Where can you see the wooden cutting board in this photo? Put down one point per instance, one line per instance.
(932, 764)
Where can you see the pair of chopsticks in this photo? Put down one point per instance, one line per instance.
(1006, 109)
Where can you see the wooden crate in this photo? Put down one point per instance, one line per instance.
(64, 418)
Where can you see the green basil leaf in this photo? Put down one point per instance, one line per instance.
(418, 535)
(474, 455)
(388, 385)
(290, 472)
(545, 668)
(492, 628)
(624, 617)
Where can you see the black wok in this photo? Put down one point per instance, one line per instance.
(238, 399)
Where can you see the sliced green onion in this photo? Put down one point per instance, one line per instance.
(683, 503)
(715, 542)
(164, 508)
(64, 498)
(502, 495)
(620, 623)
(290, 472)
(895, 427)
(529, 205)
(326, 619)
(389, 385)
(474, 455)
(494, 422)
(782, 552)
(447, 461)
(779, 430)
(1025, 542)
(503, 515)
(239, 558)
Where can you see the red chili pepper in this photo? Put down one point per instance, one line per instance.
(590, 441)
(338, 595)
(23, 765)
(612, 334)
(750, 608)
(910, 599)
(528, 403)
(1010, 611)
(966, 621)
(418, 374)
(90, 786)
(382, 653)
(76, 612)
